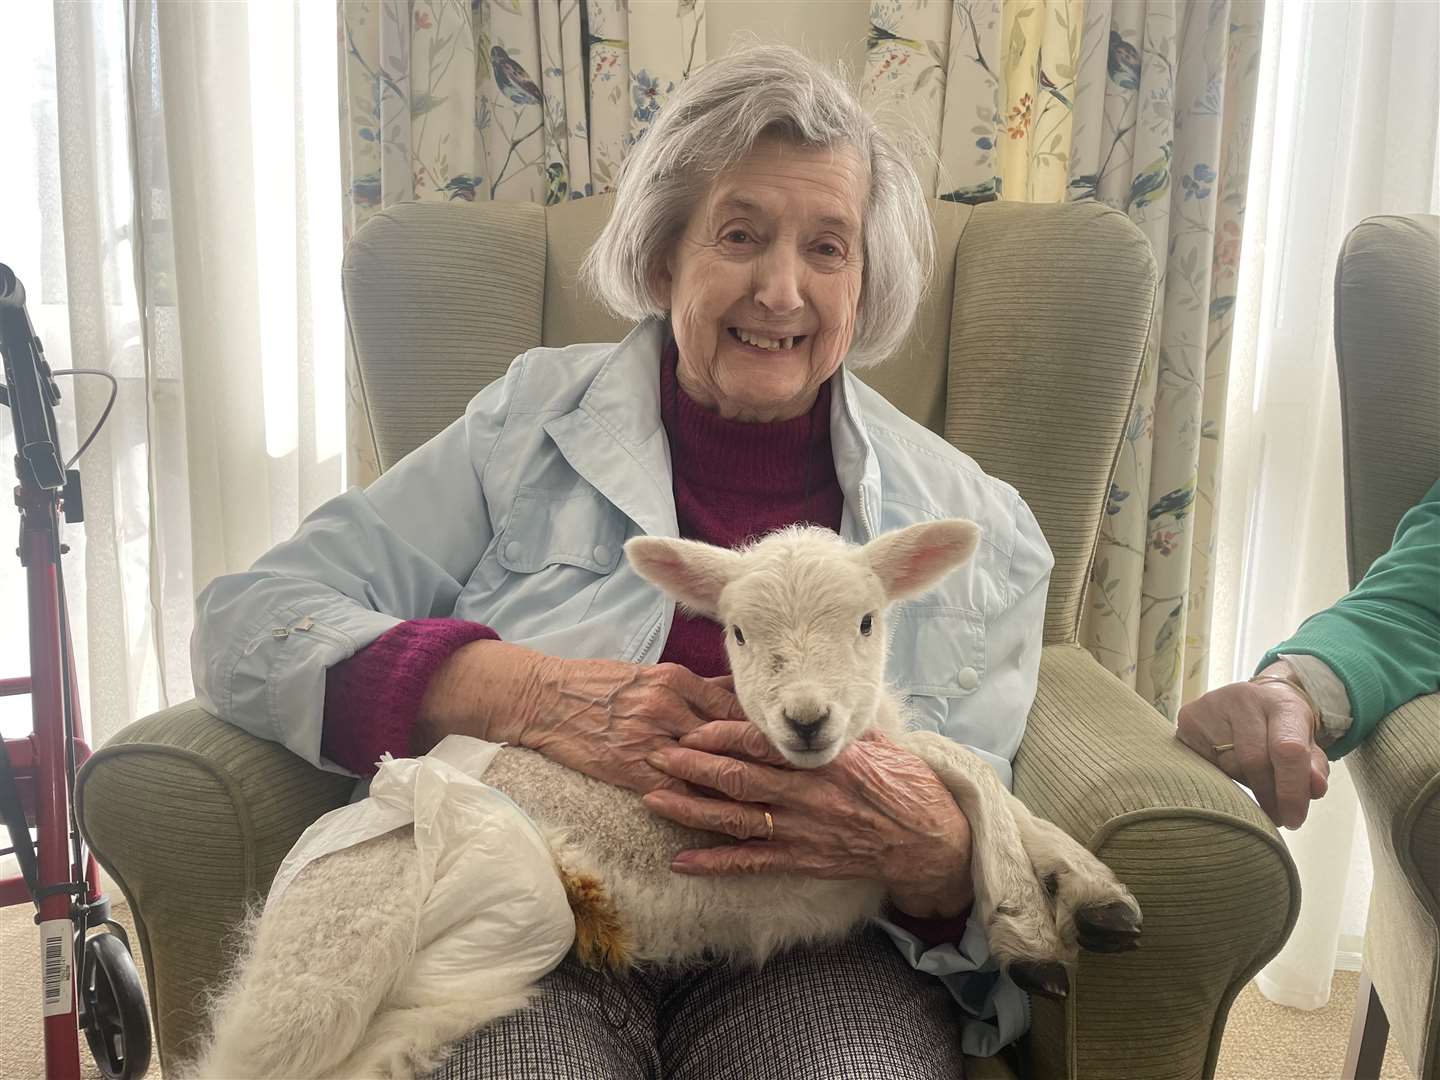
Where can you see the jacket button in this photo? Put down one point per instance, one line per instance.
(512, 550)
(967, 678)
(601, 553)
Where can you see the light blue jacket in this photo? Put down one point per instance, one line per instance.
(516, 514)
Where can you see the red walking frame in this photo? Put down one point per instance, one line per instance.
(89, 981)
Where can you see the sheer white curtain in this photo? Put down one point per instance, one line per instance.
(1346, 127)
(170, 199)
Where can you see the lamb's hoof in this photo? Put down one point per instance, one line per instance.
(1108, 928)
(1041, 977)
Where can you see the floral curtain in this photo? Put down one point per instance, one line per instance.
(518, 100)
(1147, 106)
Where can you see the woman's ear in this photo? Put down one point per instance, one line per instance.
(662, 279)
(661, 272)
(691, 572)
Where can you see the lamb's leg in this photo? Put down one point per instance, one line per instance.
(1092, 908)
(1009, 899)
(319, 964)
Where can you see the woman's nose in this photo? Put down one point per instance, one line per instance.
(777, 284)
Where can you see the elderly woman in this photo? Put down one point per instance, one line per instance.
(768, 238)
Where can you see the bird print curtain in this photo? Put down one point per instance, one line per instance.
(1147, 106)
(517, 100)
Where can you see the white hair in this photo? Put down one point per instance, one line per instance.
(712, 122)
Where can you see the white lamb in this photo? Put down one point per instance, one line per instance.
(329, 986)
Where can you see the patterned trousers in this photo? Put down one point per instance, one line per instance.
(849, 1011)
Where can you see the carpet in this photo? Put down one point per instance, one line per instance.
(1265, 1041)
(22, 1050)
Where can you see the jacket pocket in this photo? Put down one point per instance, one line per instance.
(579, 528)
(939, 652)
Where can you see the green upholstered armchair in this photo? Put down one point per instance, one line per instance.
(1387, 345)
(1026, 354)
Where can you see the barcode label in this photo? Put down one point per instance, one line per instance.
(56, 954)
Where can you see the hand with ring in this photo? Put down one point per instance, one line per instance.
(1263, 734)
(877, 811)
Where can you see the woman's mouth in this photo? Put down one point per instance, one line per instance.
(761, 343)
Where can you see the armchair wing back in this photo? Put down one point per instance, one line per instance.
(1387, 348)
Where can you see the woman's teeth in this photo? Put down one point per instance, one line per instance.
(772, 344)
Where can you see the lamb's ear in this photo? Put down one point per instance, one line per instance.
(690, 572)
(909, 561)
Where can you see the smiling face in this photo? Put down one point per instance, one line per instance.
(764, 281)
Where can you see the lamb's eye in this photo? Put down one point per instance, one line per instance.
(866, 623)
(739, 637)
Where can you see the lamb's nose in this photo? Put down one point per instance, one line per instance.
(807, 722)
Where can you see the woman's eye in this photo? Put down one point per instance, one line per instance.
(830, 251)
(739, 637)
(866, 623)
(737, 236)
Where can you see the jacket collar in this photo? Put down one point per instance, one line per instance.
(615, 439)
(856, 465)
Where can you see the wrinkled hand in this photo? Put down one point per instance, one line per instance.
(877, 812)
(602, 717)
(1275, 753)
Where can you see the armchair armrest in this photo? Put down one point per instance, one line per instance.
(1397, 776)
(192, 817)
(1217, 887)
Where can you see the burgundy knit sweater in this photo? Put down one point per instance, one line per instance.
(732, 481)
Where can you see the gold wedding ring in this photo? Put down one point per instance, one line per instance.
(769, 826)
(1221, 747)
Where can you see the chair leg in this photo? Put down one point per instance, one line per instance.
(1368, 1032)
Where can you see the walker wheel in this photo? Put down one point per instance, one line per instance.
(113, 1015)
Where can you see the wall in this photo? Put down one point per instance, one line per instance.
(827, 30)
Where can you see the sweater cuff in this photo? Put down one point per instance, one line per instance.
(1326, 691)
(1352, 666)
(372, 700)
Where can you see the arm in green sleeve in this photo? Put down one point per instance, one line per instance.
(1383, 637)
